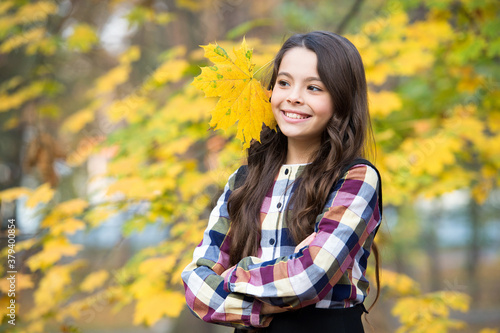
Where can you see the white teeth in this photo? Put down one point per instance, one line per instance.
(295, 116)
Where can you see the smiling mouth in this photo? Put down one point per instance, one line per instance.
(295, 115)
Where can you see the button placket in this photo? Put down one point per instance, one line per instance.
(286, 172)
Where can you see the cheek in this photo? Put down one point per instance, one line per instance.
(275, 101)
(325, 107)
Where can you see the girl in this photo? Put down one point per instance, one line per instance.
(287, 245)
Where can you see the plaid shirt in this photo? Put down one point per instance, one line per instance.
(330, 272)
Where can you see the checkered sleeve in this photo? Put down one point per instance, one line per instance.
(306, 277)
(205, 295)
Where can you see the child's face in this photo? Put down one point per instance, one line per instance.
(301, 104)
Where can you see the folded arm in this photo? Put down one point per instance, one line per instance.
(306, 277)
(202, 278)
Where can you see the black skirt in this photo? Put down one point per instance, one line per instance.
(312, 319)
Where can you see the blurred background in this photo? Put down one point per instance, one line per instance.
(109, 168)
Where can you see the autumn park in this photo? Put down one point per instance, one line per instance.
(115, 145)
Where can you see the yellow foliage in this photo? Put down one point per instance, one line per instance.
(179, 146)
(153, 267)
(28, 13)
(194, 5)
(465, 124)
(26, 244)
(50, 290)
(193, 184)
(243, 99)
(86, 308)
(78, 120)
(384, 102)
(98, 215)
(53, 250)
(189, 232)
(169, 71)
(430, 312)
(14, 193)
(493, 120)
(411, 60)
(67, 226)
(94, 280)
(150, 309)
(36, 12)
(128, 108)
(454, 178)
(23, 281)
(15, 100)
(46, 46)
(430, 33)
(109, 81)
(11, 83)
(143, 287)
(22, 39)
(470, 84)
(132, 54)
(12, 123)
(378, 73)
(83, 38)
(36, 326)
(489, 330)
(4, 303)
(398, 284)
(127, 165)
(42, 194)
(481, 190)
(491, 149)
(193, 105)
(431, 155)
(5, 6)
(71, 207)
(137, 188)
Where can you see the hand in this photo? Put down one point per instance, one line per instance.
(270, 309)
(305, 242)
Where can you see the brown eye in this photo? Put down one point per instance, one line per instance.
(314, 88)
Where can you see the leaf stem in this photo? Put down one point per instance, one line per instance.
(265, 65)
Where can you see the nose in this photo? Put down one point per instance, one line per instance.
(295, 97)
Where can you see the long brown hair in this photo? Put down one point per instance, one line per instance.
(341, 70)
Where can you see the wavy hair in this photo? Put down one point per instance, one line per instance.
(341, 70)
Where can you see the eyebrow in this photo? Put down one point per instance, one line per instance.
(311, 78)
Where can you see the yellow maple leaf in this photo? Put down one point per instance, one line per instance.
(156, 266)
(53, 250)
(24, 38)
(83, 38)
(71, 207)
(14, 193)
(384, 102)
(243, 99)
(151, 309)
(42, 194)
(51, 286)
(78, 120)
(94, 280)
(68, 226)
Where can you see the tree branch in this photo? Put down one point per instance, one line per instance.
(352, 13)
